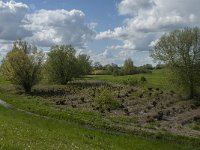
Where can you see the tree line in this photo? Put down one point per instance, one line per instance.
(128, 68)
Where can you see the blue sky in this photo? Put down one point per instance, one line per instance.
(110, 31)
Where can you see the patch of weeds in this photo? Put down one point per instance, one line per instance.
(143, 79)
(154, 95)
(106, 101)
(141, 93)
(195, 126)
(131, 81)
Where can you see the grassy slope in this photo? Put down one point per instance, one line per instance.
(23, 131)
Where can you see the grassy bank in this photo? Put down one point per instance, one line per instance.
(23, 131)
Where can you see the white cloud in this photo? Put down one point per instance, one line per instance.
(4, 48)
(118, 56)
(43, 27)
(11, 15)
(147, 20)
(51, 27)
(132, 7)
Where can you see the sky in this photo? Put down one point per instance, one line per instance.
(110, 31)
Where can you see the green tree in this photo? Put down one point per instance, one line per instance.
(97, 66)
(180, 50)
(22, 65)
(84, 65)
(160, 66)
(111, 68)
(128, 67)
(62, 64)
(147, 66)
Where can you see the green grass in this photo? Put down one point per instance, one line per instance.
(155, 79)
(23, 131)
(40, 107)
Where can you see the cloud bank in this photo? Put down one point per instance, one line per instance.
(51, 27)
(146, 20)
(11, 16)
(44, 27)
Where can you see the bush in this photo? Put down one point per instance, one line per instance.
(143, 79)
(106, 101)
(118, 72)
(131, 82)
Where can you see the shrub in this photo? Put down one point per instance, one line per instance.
(106, 101)
(131, 82)
(143, 79)
(118, 72)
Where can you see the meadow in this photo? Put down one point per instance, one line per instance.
(157, 78)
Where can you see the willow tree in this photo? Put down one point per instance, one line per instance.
(180, 50)
(22, 65)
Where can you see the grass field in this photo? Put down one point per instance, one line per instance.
(155, 79)
(23, 131)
